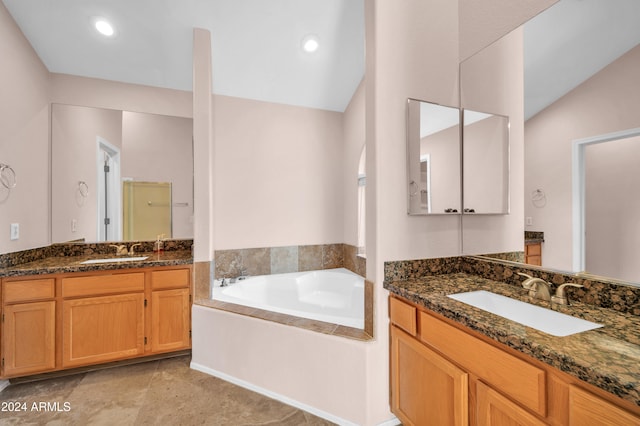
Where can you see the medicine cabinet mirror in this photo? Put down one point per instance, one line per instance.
(485, 163)
(452, 170)
(433, 158)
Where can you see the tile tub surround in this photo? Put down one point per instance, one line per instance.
(605, 357)
(596, 291)
(277, 260)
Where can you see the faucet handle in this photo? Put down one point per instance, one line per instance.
(561, 297)
(120, 249)
(132, 250)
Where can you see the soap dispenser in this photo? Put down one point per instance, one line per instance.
(158, 246)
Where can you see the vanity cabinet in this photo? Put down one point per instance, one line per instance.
(533, 254)
(62, 321)
(444, 373)
(170, 310)
(28, 326)
(440, 400)
(98, 325)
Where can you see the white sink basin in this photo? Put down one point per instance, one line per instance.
(114, 260)
(545, 320)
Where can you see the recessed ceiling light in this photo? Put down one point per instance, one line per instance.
(310, 43)
(104, 27)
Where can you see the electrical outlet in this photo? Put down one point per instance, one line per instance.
(15, 231)
(74, 225)
(528, 221)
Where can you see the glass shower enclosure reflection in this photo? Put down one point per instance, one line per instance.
(146, 210)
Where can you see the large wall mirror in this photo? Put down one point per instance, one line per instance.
(589, 52)
(120, 175)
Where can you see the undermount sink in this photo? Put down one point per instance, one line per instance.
(545, 320)
(114, 259)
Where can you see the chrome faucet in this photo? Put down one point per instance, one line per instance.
(538, 288)
(561, 297)
(132, 251)
(120, 249)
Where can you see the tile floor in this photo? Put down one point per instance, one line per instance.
(161, 392)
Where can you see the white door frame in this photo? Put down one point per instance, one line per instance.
(578, 190)
(115, 192)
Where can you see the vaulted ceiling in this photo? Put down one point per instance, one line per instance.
(256, 44)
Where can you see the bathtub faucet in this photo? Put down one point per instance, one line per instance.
(243, 275)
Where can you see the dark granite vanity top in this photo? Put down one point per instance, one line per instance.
(65, 264)
(607, 357)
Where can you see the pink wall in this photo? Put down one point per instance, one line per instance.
(73, 158)
(611, 207)
(278, 174)
(353, 139)
(24, 129)
(606, 103)
(158, 148)
(492, 81)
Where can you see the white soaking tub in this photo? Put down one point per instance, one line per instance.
(331, 295)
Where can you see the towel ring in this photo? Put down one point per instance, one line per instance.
(83, 188)
(8, 176)
(412, 185)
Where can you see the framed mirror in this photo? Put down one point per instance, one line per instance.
(485, 163)
(120, 175)
(433, 159)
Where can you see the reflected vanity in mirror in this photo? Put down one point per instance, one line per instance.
(485, 148)
(113, 170)
(433, 158)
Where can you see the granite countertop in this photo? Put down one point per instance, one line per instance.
(66, 264)
(607, 357)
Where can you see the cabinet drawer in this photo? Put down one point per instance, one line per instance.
(102, 284)
(177, 278)
(403, 315)
(29, 290)
(490, 364)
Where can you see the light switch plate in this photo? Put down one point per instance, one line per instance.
(15, 231)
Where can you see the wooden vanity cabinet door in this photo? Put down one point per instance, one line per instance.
(427, 389)
(101, 329)
(493, 409)
(586, 408)
(170, 320)
(29, 334)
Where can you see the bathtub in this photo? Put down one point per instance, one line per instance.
(331, 295)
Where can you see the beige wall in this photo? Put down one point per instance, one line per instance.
(159, 148)
(611, 207)
(606, 103)
(73, 159)
(278, 174)
(353, 139)
(24, 129)
(492, 81)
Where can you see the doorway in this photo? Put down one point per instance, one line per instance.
(109, 215)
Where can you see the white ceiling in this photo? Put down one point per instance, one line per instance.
(256, 44)
(256, 50)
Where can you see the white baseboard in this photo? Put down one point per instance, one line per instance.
(274, 395)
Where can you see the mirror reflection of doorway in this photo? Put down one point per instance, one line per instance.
(108, 188)
(146, 210)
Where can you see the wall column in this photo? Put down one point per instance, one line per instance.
(202, 163)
